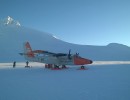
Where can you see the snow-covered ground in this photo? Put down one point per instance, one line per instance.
(102, 81)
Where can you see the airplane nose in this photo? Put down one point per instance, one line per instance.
(82, 61)
(90, 61)
(87, 61)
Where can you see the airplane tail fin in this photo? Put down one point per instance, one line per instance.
(28, 50)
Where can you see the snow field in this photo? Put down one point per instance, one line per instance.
(100, 82)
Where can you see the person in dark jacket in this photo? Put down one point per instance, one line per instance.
(27, 63)
(14, 64)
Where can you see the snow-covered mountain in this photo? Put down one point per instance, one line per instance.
(9, 21)
(13, 35)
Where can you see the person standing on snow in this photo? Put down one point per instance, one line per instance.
(27, 63)
(14, 64)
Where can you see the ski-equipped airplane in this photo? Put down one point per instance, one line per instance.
(54, 60)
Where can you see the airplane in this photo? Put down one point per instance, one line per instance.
(54, 60)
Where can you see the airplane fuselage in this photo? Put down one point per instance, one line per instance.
(61, 60)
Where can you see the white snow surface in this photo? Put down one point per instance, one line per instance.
(104, 80)
(99, 82)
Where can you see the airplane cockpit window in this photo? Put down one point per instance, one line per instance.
(77, 55)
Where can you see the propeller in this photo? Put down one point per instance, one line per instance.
(69, 55)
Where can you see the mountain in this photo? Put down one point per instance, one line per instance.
(9, 21)
(13, 35)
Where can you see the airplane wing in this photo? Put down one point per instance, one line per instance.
(29, 51)
(49, 53)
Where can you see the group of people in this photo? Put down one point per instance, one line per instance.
(14, 64)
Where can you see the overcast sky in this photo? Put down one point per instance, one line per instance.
(89, 22)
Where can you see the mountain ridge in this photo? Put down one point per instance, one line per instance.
(13, 37)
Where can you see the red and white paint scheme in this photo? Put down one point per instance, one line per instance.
(54, 60)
